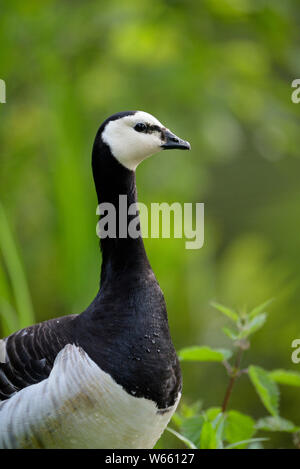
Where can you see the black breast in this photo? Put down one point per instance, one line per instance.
(126, 333)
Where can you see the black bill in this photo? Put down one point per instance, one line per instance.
(172, 141)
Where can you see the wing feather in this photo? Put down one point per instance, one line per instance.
(27, 356)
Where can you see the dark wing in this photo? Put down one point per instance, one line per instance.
(27, 356)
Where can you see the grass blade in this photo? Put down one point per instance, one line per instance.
(187, 442)
(16, 273)
(244, 442)
(9, 318)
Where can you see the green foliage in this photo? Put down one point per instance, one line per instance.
(11, 320)
(218, 427)
(276, 424)
(246, 325)
(204, 354)
(260, 308)
(239, 427)
(192, 427)
(266, 388)
(208, 436)
(230, 313)
(290, 378)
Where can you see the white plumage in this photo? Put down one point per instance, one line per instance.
(69, 409)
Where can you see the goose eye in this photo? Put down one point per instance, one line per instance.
(140, 127)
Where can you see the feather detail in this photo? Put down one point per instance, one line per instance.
(70, 408)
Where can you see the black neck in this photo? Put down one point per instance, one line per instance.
(112, 180)
(125, 329)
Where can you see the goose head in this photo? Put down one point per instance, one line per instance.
(133, 136)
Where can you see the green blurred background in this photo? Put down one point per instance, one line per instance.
(219, 74)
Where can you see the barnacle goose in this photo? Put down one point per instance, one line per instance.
(108, 377)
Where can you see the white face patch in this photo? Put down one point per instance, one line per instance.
(129, 146)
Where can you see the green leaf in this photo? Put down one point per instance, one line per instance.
(186, 441)
(208, 438)
(230, 313)
(225, 352)
(276, 424)
(204, 354)
(212, 413)
(219, 424)
(230, 333)
(256, 323)
(255, 444)
(191, 428)
(266, 388)
(192, 409)
(290, 378)
(187, 411)
(177, 419)
(238, 427)
(260, 308)
(245, 442)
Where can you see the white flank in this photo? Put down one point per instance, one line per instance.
(79, 406)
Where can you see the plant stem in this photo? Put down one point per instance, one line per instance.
(234, 375)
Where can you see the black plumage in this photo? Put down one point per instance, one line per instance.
(125, 328)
